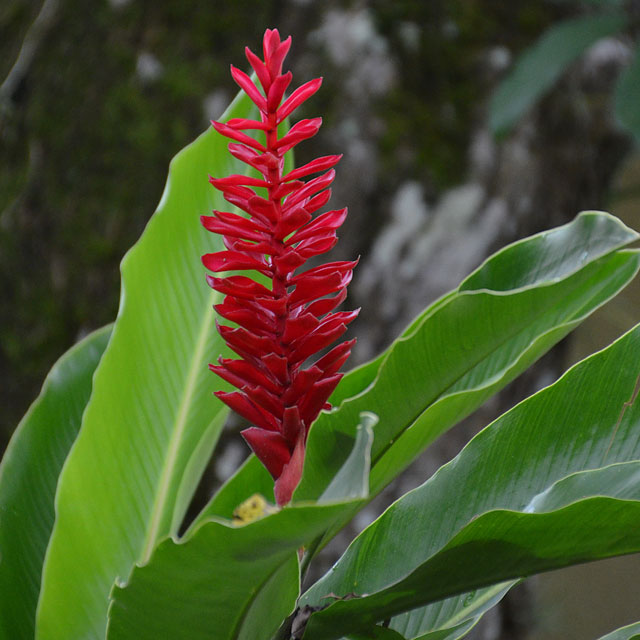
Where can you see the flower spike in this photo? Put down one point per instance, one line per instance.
(282, 327)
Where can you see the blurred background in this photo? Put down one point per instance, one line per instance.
(464, 124)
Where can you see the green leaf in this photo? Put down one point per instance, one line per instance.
(152, 420)
(627, 96)
(555, 481)
(552, 255)
(352, 481)
(252, 477)
(538, 67)
(451, 362)
(443, 619)
(451, 633)
(241, 582)
(214, 583)
(376, 633)
(532, 294)
(515, 541)
(28, 478)
(630, 632)
(383, 633)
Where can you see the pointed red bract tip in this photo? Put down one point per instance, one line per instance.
(282, 327)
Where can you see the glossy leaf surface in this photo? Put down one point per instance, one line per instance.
(555, 481)
(451, 633)
(29, 476)
(530, 294)
(231, 582)
(451, 618)
(214, 579)
(251, 477)
(450, 362)
(152, 420)
(376, 632)
(352, 481)
(539, 66)
(630, 632)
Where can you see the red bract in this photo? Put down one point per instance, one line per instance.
(279, 328)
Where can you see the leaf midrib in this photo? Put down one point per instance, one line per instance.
(179, 427)
(469, 612)
(446, 391)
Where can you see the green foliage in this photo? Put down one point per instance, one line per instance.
(376, 633)
(630, 632)
(530, 295)
(552, 482)
(256, 563)
(524, 312)
(28, 478)
(538, 68)
(152, 421)
(85, 142)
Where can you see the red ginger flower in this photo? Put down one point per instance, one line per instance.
(280, 328)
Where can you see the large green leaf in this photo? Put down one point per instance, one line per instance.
(538, 68)
(451, 633)
(352, 481)
(240, 583)
(497, 545)
(630, 632)
(28, 478)
(252, 477)
(387, 633)
(530, 294)
(376, 633)
(554, 481)
(152, 420)
(627, 96)
(211, 584)
(470, 344)
(451, 618)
